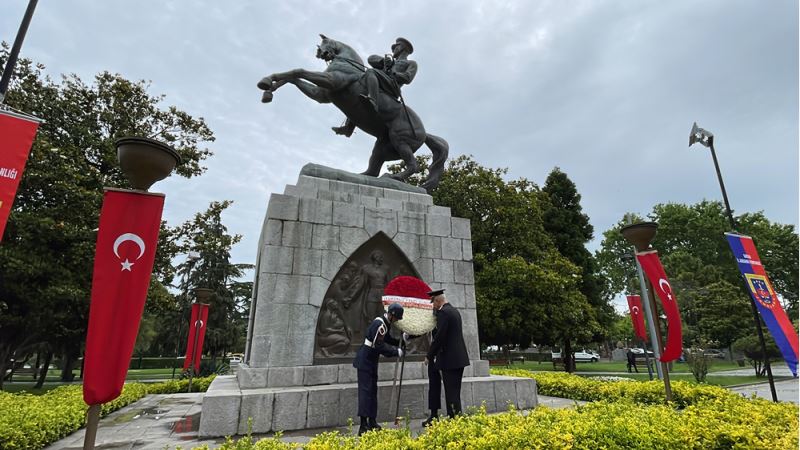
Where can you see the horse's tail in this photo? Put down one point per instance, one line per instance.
(439, 149)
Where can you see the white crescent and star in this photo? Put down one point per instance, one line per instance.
(665, 287)
(635, 310)
(126, 265)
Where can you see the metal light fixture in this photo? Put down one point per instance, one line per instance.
(701, 135)
(145, 161)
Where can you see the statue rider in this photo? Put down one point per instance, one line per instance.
(388, 73)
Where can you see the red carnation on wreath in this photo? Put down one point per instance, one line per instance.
(412, 294)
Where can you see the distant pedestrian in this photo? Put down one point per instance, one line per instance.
(632, 361)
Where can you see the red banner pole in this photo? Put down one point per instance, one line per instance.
(191, 365)
(92, 420)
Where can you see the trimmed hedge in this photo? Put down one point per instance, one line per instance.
(565, 385)
(30, 421)
(628, 415)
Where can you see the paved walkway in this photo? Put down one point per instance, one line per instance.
(786, 390)
(160, 422)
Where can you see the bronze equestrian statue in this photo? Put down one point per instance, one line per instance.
(371, 100)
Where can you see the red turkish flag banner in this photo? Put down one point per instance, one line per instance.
(197, 327)
(16, 137)
(635, 306)
(652, 267)
(123, 263)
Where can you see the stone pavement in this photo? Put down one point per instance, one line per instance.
(171, 420)
(786, 390)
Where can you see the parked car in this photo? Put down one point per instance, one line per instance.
(587, 355)
(714, 353)
(639, 352)
(581, 356)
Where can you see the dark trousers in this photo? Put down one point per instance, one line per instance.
(367, 393)
(434, 388)
(452, 390)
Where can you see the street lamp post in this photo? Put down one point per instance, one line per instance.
(191, 258)
(706, 138)
(15, 48)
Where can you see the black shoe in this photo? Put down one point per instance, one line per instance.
(343, 131)
(429, 421)
(362, 429)
(373, 425)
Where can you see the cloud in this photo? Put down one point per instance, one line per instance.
(605, 90)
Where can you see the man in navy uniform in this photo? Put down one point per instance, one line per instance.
(377, 341)
(448, 351)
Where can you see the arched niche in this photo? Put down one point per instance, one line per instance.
(353, 300)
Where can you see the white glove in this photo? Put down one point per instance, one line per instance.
(406, 337)
(399, 352)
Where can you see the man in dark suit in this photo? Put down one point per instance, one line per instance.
(448, 350)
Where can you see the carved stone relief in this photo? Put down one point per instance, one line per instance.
(353, 300)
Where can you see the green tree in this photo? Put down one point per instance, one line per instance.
(570, 229)
(230, 302)
(751, 348)
(701, 268)
(525, 289)
(48, 249)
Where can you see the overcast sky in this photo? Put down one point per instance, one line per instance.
(605, 90)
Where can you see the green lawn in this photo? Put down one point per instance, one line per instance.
(53, 379)
(719, 380)
(621, 366)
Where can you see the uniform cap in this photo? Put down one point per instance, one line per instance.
(405, 41)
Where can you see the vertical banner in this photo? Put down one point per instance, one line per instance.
(778, 323)
(16, 138)
(652, 267)
(123, 262)
(197, 327)
(635, 306)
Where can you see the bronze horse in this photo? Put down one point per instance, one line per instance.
(398, 129)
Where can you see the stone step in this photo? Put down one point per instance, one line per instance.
(229, 410)
(270, 377)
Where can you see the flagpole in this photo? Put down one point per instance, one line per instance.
(194, 351)
(12, 56)
(92, 421)
(640, 235)
(706, 139)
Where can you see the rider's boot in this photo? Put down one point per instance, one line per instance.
(345, 130)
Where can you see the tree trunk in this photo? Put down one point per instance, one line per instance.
(567, 357)
(36, 365)
(43, 372)
(69, 364)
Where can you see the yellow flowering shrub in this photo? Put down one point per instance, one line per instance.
(710, 424)
(565, 385)
(30, 421)
(630, 415)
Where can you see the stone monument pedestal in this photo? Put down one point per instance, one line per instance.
(312, 234)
